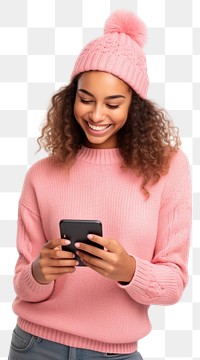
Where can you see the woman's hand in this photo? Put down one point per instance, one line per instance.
(53, 262)
(113, 262)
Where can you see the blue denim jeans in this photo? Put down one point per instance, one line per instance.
(25, 346)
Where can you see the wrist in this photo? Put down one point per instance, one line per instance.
(130, 273)
(37, 273)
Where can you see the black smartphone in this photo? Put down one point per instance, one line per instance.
(77, 231)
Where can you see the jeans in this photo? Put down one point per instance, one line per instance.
(25, 346)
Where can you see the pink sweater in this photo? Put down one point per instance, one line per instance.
(84, 309)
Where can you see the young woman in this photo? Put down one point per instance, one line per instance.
(114, 157)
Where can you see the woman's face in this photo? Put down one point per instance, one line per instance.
(101, 108)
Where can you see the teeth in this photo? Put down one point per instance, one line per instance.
(98, 128)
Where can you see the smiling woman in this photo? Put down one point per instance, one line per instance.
(101, 108)
(114, 157)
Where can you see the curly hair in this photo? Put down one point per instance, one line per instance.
(146, 142)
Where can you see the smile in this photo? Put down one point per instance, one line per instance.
(98, 128)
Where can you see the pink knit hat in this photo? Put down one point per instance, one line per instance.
(119, 51)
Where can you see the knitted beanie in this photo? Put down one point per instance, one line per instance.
(119, 51)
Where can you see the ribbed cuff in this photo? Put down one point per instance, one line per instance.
(28, 289)
(154, 284)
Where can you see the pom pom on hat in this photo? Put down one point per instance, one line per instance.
(122, 21)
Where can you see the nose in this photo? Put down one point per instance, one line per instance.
(97, 114)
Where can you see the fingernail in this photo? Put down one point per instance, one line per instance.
(77, 245)
(67, 242)
(90, 236)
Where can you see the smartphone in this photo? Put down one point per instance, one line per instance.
(77, 231)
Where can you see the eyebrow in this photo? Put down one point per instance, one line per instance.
(107, 97)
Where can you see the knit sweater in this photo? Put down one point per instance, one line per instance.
(84, 309)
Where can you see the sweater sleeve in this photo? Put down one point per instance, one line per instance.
(163, 280)
(30, 239)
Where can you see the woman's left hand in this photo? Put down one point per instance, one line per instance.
(113, 262)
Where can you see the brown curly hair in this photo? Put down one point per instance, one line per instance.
(146, 142)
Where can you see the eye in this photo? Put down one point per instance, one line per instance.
(112, 106)
(85, 101)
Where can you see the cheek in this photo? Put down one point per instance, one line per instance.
(121, 118)
(79, 109)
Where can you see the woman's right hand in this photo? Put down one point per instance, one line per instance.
(53, 262)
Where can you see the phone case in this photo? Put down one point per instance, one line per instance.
(77, 231)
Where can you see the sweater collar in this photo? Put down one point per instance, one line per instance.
(100, 156)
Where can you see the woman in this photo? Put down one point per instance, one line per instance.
(113, 156)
